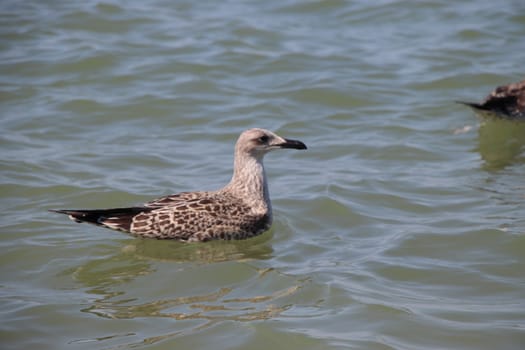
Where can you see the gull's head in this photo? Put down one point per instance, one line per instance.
(258, 142)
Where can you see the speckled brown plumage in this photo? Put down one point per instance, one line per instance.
(240, 210)
(507, 102)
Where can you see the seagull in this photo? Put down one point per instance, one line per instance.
(240, 210)
(507, 102)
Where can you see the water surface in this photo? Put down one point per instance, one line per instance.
(401, 227)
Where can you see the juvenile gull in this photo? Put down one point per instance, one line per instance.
(507, 102)
(240, 210)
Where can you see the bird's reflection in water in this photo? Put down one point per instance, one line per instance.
(172, 280)
(137, 257)
(501, 142)
(209, 252)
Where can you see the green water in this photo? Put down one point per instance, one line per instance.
(401, 227)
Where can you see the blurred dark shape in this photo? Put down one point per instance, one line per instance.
(506, 102)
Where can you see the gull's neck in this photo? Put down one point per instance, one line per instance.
(249, 184)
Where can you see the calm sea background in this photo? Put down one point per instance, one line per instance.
(401, 227)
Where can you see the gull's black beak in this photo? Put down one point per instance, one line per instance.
(295, 144)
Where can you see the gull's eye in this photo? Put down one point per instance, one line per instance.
(264, 139)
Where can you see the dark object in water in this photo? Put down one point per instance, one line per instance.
(507, 102)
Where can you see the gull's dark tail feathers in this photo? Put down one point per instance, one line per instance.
(117, 219)
(473, 105)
